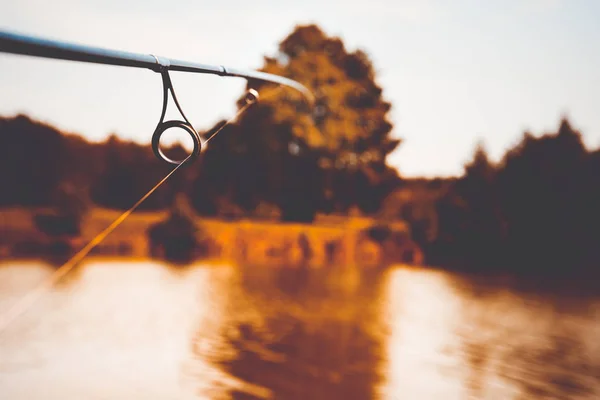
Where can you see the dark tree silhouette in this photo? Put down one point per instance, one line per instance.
(34, 160)
(327, 159)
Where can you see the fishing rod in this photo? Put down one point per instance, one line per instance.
(34, 46)
(20, 44)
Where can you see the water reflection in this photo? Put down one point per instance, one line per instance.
(144, 330)
(293, 333)
(537, 339)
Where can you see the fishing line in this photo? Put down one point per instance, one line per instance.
(28, 300)
(15, 43)
(240, 112)
(251, 98)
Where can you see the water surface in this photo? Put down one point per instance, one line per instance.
(141, 329)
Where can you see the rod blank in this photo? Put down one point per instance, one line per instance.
(38, 47)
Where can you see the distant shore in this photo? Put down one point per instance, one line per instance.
(328, 241)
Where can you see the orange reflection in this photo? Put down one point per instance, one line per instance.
(146, 330)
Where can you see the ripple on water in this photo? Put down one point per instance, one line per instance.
(146, 330)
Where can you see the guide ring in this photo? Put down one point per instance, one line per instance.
(163, 126)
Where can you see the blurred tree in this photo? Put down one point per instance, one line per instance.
(177, 237)
(541, 188)
(481, 232)
(72, 200)
(328, 158)
(70, 203)
(536, 211)
(267, 211)
(116, 186)
(33, 163)
(129, 171)
(415, 202)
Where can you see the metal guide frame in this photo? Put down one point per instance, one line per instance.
(14, 43)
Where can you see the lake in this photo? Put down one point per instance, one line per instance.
(144, 330)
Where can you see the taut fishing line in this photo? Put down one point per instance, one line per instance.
(27, 301)
(27, 45)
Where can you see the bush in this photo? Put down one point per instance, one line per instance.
(71, 200)
(70, 204)
(177, 238)
(267, 211)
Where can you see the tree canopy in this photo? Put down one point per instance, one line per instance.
(537, 206)
(330, 157)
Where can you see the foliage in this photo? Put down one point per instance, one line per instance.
(71, 199)
(128, 172)
(182, 208)
(30, 166)
(267, 211)
(536, 209)
(301, 161)
(415, 202)
(178, 235)
(327, 159)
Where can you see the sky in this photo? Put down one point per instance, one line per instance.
(457, 72)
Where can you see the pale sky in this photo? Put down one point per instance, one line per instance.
(455, 71)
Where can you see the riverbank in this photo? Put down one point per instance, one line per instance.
(329, 240)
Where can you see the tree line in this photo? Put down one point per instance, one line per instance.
(536, 210)
(282, 160)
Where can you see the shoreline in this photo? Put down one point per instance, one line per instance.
(328, 241)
